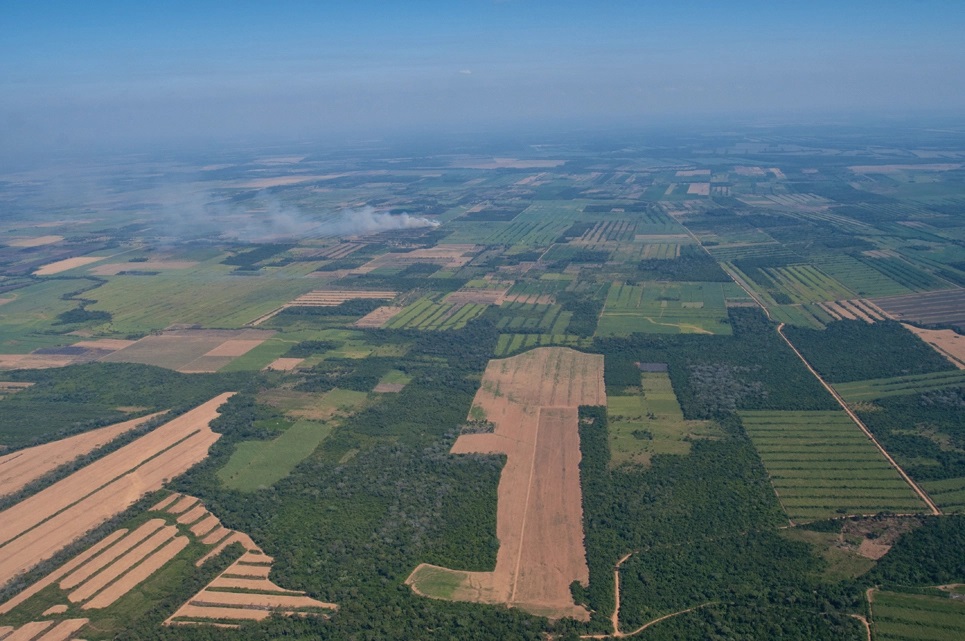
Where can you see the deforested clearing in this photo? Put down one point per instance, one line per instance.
(283, 364)
(533, 400)
(19, 468)
(699, 189)
(68, 263)
(947, 342)
(38, 527)
(378, 317)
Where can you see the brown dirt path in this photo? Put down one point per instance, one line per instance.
(854, 417)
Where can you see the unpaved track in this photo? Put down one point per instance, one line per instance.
(854, 417)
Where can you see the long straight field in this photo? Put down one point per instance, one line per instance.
(428, 314)
(822, 465)
(897, 616)
(948, 494)
(899, 385)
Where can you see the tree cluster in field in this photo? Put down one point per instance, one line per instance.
(693, 265)
(354, 308)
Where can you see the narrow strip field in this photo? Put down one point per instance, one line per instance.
(822, 465)
(899, 385)
(533, 400)
(916, 617)
(38, 527)
(19, 468)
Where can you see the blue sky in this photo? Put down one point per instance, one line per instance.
(72, 73)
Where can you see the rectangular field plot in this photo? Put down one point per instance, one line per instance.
(428, 314)
(512, 343)
(946, 307)
(549, 319)
(948, 494)
(822, 465)
(807, 284)
(913, 617)
(899, 385)
(641, 425)
(861, 278)
(664, 308)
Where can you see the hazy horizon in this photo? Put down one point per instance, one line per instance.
(116, 75)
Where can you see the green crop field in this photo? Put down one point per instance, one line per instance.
(860, 277)
(916, 617)
(665, 308)
(899, 385)
(27, 319)
(651, 422)
(259, 464)
(822, 465)
(548, 319)
(428, 314)
(948, 494)
(509, 344)
(807, 284)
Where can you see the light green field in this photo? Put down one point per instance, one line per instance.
(207, 295)
(949, 494)
(641, 425)
(427, 314)
(259, 464)
(435, 582)
(665, 308)
(808, 284)
(32, 312)
(899, 385)
(916, 617)
(822, 465)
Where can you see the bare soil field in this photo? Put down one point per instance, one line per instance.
(43, 630)
(284, 181)
(479, 296)
(19, 468)
(699, 189)
(857, 309)
(388, 388)
(113, 269)
(34, 361)
(742, 170)
(690, 173)
(334, 297)
(945, 341)
(41, 525)
(455, 255)
(93, 566)
(533, 399)
(112, 344)
(35, 241)
(283, 364)
(67, 263)
(378, 317)
(179, 349)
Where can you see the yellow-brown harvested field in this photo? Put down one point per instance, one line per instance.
(112, 269)
(691, 173)
(85, 571)
(378, 317)
(945, 341)
(43, 630)
(19, 468)
(35, 241)
(41, 525)
(478, 296)
(533, 400)
(699, 189)
(34, 361)
(68, 263)
(138, 575)
(112, 344)
(283, 364)
(453, 256)
(261, 598)
(190, 350)
(742, 170)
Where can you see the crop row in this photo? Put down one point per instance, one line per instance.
(916, 616)
(510, 343)
(822, 465)
(807, 284)
(899, 385)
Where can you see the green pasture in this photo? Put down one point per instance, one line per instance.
(899, 385)
(665, 308)
(898, 616)
(651, 422)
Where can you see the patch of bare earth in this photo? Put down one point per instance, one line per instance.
(67, 263)
(947, 342)
(41, 525)
(283, 364)
(378, 317)
(35, 241)
(19, 468)
(532, 400)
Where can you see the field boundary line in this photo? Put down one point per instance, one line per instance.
(529, 490)
(864, 428)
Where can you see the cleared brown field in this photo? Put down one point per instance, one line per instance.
(133, 577)
(96, 564)
(41, 525)
(283, 181)
(192, 515)
(699, 189)
(179, 349)
(946, 342)
(446, 256)
(283, 364)
(743, 170)
(112, 344)
(43, 630)
(119, 564)
(35, 241)
(533, 400)
(112, 269)
(857, 309)
(260, 599)
(34, 361)
(479, 296)
(68, 263)
(690, 173)
(19, 468)
(378, 317)
(182, 504)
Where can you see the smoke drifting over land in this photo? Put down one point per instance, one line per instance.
(193, 215)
